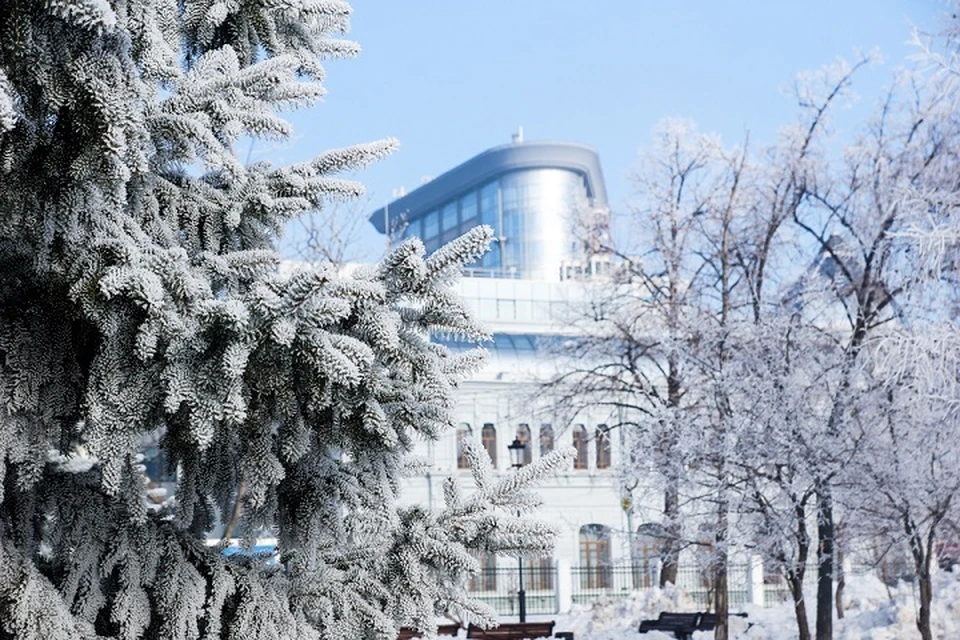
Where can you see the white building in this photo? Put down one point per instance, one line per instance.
(547, 205)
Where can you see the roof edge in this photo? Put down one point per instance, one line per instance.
(496, 161)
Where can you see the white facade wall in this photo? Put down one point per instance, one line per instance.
(504, 394)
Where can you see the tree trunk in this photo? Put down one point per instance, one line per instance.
(825, 563)
(795, 577)
(671, 497)
(926, 596)
(722, 609)
(841, 580)
(795, 580)
(671, 543)
(922, 560)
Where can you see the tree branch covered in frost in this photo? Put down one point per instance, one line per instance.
(141, 303)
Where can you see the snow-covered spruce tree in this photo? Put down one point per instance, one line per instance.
(140, 298)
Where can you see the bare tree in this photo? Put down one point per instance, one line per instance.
(737, 339)
(855, 214)
(914, 447)
(636, 329)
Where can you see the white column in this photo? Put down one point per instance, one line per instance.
(564, 586)
(755, 590)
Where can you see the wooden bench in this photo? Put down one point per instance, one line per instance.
(683, 624)
(512, 631)
(406, 633)
(709, 620)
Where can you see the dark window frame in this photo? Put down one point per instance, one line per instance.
(604, 452)
(581, 444)
(595, 560)
(547, 440)
(488, 437)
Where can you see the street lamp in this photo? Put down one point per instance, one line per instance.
(517, 449)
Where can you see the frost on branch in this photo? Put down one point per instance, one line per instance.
(141, 304)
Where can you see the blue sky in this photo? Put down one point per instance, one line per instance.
(451, 79)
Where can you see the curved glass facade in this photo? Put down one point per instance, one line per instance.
(546, 202)
(533, 213)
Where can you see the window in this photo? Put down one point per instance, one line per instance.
(491, 259)
(513, 234)
(647, 547)
(448, 222)
(523, 435)
(490, 214)
(489, 438)
(538, 574)
(486, 579)
(580, 444)
(517, 200)
(468, 210)
(595, 572)
(489, 210)
(546, 439)
(463, 433)
(448, 216)
(603, 447)
(431, 225)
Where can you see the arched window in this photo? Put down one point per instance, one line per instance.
(489, 438)
(546, 439)
(580, 444)
(603, 447)
(647, 547)
(595, 570)
(463, 433)
(523, 435)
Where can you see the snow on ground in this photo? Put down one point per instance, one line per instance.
(872, 612)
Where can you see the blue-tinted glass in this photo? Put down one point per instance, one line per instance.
(523, 343)
(489, 215)
(449, 224)
(448, 216)
(513, 243)
(491, 259)
(468, 210)
(449, 234)
(413, 228)
(512, 189)
(511, 196)
(516, 344)
(489, 212)
(431, 225)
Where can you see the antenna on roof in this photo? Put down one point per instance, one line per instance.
(518, 136)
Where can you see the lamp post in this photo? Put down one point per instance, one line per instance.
(517, 450)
